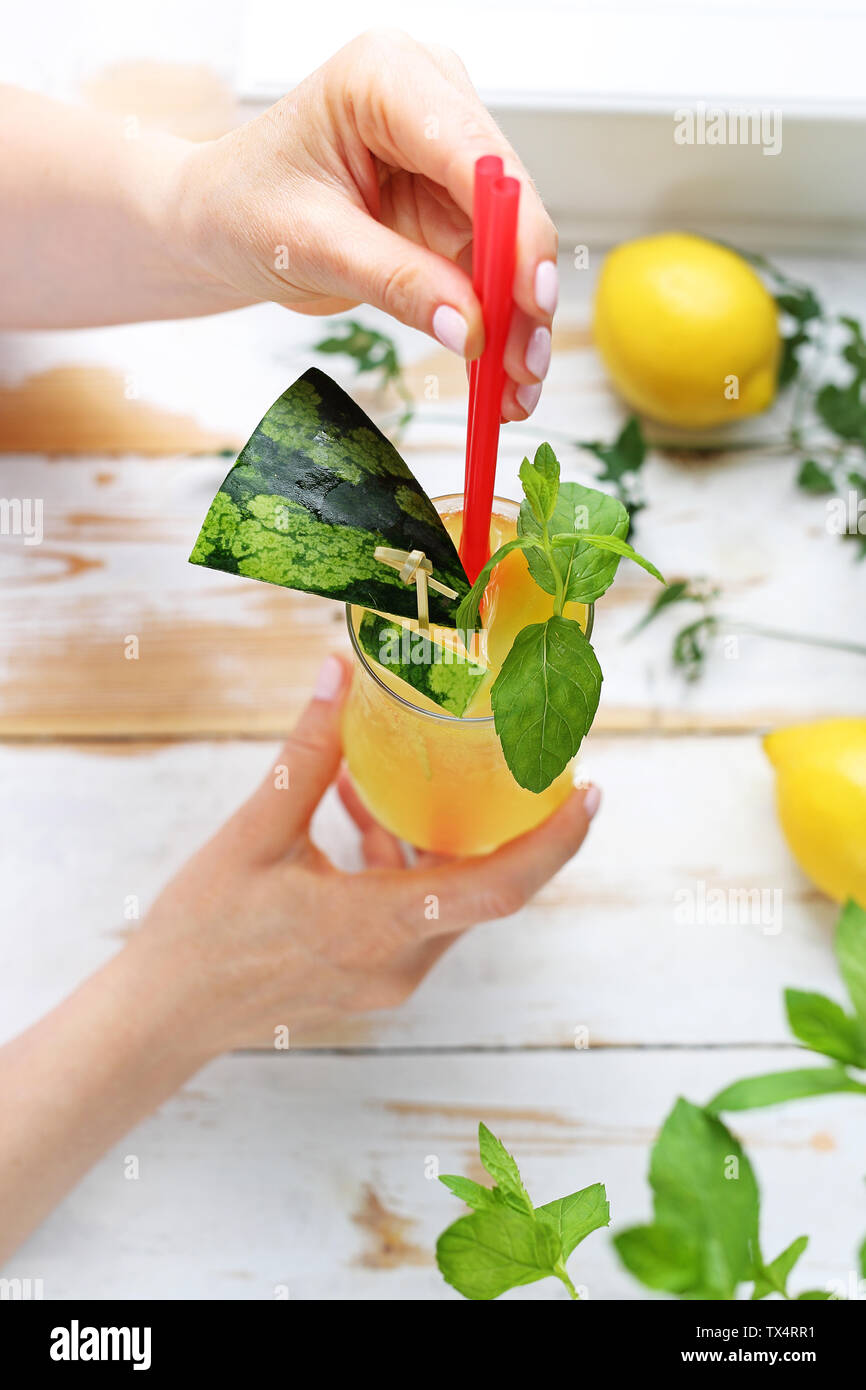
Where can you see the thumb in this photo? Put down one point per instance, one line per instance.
(411, 283)
(281, 809)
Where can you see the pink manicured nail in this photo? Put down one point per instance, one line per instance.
(547, 287)
(591, 801)
(450, 328)
(527, 396)
(329, 681)
(538, 353)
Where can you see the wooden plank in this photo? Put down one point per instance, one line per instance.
(224, 655)
(604, 947)
(305, 1176)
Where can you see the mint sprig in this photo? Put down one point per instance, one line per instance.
(822, 1026)
(547, 692)
(703, 1241)
(506, 1242)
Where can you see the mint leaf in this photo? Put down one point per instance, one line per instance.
(624, 456)
(815, 479)
(691, 645)
(616, 546)
(485, 1254)
(540, 482)
(813, 1295)
(842, 409)
(773, 1278)
(704, 1186)
(585, 572)
(502, 1169)
(575, 1217)
(467, 613)
(775, 1087)
(505, 1242)
(544, 700)
(472, 1193)
(823, 1025)
(661, 1257)
(850, 949)
(705, 1201)
(800, 303)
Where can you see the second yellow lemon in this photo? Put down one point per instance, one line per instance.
(821, 796)
(687, 330)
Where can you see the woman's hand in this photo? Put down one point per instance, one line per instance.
(259, 932)
(358, 186)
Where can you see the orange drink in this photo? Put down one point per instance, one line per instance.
(438, 781)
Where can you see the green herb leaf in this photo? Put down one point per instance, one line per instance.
(544, 700)
(813, 1296)
(850, 946)
(691, 645)
(773, 1088)
(505, 1243)
(585, 571)
(575, 1217)
(472, 1193)
(485, 1254)
(773, 1278)
(624, 456)
(616, 546)
(540, 482)
(706, 1209)
(467, 613)
(800, 303)
(502, 1169)
(843, 410)
(815, 479)
(661, 1257)
(823, 1025)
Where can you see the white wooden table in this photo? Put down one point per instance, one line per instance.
(304, 1172)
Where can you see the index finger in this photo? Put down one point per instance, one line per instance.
(467, 891)
(413, 111)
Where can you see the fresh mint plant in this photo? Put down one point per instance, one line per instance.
(822, 1026)
(547, 692)
(703, 1240)
(506, 1241)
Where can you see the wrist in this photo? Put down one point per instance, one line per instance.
(165, 184)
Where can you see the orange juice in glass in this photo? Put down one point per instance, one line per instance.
(438, 781)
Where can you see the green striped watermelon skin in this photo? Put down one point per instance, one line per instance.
(421, 663)
(313, 492)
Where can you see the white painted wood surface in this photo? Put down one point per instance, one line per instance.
(305, 1175)
(603, 947)
(112, 772)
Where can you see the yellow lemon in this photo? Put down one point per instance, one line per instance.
(821, 799)
(687, 330)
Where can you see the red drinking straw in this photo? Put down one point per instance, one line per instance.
(487, 169)
(497, 280)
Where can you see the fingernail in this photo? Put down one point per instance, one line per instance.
(591, 801)
(547, 287)
(527, 396)
(538, 353)
(450, 328)
(329, 681)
